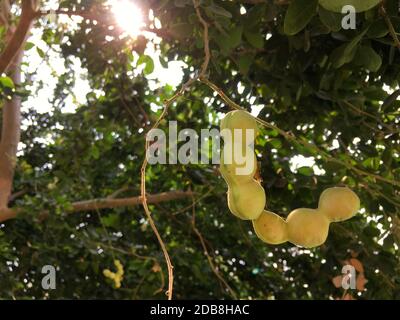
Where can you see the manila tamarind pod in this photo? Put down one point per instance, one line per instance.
(271, 228)
(303, 227)
(248, 199)
(307, 227)
(238, 166)
(339, 204)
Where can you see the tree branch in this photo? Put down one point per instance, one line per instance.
(389, 24)
(106, 203)
(5, 8)
(10, 136)
(17, 195)
(18, 38)
(11, 132)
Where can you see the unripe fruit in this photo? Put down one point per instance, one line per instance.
(339, 204)
(232, 206)
(307, 227)
(239, 119)
(240, 127)
(246, 196)
(271, 228)
(239, 162)
(247, 200)
(225, 174)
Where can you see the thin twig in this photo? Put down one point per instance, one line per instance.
(378, 193)
(170, 267)
(198, 200)
(367, 114)
(207, 54)
(167, 104)
(205, 250)
(118, 192)
(389, 24)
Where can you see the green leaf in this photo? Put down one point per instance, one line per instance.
(354, 42)
(245, 62)
(378, 29)
(346, 52)
(7, 82)
(40, 52)
(235, 36)
(149, 64)
(219, 11)
(149, 67)
(232, 40)
(95, 152)
(391, 99)
(255, 15)
(367, 57)
(388, 242)
(163, 62)
(306, 171)
(359, 5)
(298, 15)
(182, 3)
(29, 45)
(181, 30)
(275, 143)
(340, 56)
(330, 19)
(255, 39)
(112, 220)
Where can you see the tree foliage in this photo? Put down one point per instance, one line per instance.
(332, 91)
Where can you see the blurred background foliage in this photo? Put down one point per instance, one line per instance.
(289, 60)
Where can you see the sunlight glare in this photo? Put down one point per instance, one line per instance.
(128, 16)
